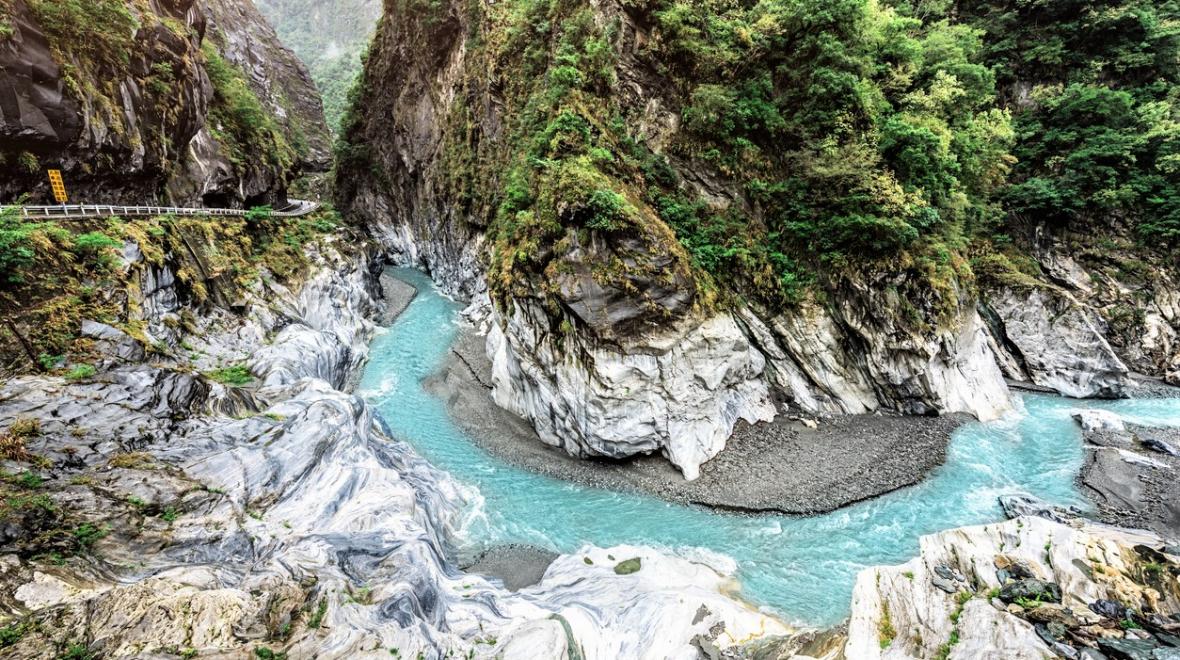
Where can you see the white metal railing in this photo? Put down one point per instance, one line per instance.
(294, 209)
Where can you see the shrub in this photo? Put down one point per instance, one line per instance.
(96, 246)
(236, 375)
(28, 162)
(81, 372)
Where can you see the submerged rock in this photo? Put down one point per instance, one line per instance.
(1015, 506)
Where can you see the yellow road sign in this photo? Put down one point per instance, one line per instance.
(59, 186)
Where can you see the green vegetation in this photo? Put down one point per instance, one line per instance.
(76, 652)
(12, 633)
(1096, 96)
(317, 617)
(98, 33)
(54, 275)
(80, 372)
(236, 375)
(852, 139)
(331, 43)
(885, 630)
(240, 121)
(628, 566)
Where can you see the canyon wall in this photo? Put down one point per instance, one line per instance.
(177, 101)
(607, 334)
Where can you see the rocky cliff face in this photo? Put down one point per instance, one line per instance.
(608, 338)
(1087, 313)
(127, 100)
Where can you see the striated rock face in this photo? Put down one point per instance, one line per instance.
(281, 515)
(1053, 341)
(605, 338)
(680, 392)
(279, 79)
(122, 101)
(855, 357)
(1026, 588)
(1099, 309)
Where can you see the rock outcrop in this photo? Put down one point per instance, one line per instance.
(279, 79)
(1098, 311)
(681, 392)
(1052, 340)
(1026, 588)
(606, 339)
(119, 95)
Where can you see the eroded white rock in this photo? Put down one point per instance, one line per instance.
(898, 612)
(1060, 343)
(680, 392)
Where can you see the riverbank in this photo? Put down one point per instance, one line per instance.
(1131, 478)
(782, 467)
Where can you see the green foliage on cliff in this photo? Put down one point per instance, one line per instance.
(1095, 87)
(859, 134)
(856, 136)
(52, 276)
(330, 39)
(782, 148)
(238, 118)
(97, 32)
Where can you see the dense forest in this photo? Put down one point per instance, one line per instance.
(910, 136)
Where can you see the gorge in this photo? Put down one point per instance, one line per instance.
(635, 329)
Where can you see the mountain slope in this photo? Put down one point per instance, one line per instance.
(643, 209)
(330, 37)
(142, 103)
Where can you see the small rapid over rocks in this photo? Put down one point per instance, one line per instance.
(801, 568)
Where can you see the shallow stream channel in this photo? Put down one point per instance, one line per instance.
(802, 568)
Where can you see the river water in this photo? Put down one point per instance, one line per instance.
(801, 568)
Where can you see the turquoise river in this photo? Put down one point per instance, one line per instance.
(802, 568)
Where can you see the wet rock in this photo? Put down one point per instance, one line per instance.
(1015, 506)
(1111, 609)
(1053, 613)
(1008, 567)
(1099, 420)
(1160, 446)
(1053, 634)
(1030, 589)
(518, 566)
(1132, 649)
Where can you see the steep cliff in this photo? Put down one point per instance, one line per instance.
(330, 38)
(140, 102)
(1081, 278)
(1086, 314)
(650, 286)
